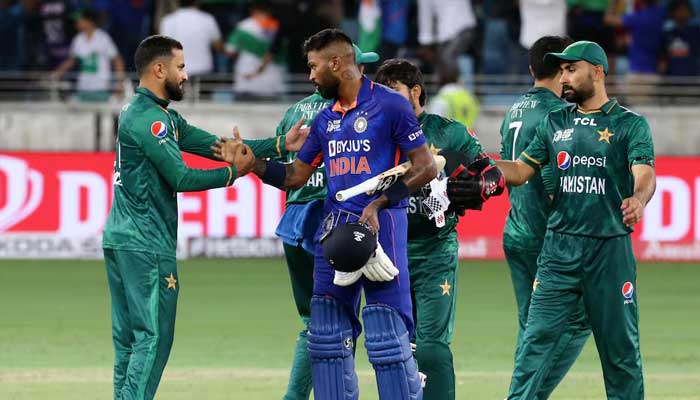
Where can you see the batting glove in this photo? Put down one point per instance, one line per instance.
(346, 278)
(379, 268)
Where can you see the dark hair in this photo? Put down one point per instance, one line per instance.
(325, 38)
(152, 48)
(188, 3)
(544, 45)
(90, 15)
(403, 71)
(676, 4)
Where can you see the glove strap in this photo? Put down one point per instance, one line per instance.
(396, 192)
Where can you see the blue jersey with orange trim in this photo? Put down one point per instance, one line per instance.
(370, 137)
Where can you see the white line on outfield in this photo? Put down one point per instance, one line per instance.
(185, 374)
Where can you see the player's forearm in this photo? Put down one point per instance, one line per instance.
(194, 180)
(515, 172)
(644, 183)
(423, 168)
(279, 175)
(272, 147)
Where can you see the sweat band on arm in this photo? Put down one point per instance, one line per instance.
(275, 174)
(396, 192)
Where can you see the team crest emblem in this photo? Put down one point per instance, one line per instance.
(360, 124)
(159, 129)
(627, 290)
(563, 160)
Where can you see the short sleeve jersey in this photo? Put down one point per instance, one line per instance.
(527, 219)
(424, 238)
(307, 108)
(149, 171)
(370, 137)
(592, 153)
(94, 55)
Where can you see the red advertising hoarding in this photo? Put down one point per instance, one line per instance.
(55, 205)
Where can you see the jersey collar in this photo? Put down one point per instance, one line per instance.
(422, 117)
(161, 102)
(542, 90)
(605, 108)
(362, 96)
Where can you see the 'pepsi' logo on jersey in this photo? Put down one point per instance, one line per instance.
(563, 160)
(627, 290)
(159, 129)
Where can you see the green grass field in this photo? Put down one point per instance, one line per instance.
(237, 324)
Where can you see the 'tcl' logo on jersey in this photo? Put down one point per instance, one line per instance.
(563, 160)
(159, 129)
(627, 290)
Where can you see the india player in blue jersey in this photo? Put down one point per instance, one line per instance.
(366, 130)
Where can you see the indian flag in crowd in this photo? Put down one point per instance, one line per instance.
(370, 18)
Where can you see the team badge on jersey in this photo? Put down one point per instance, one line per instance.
(627, 290)
(563, 160)
(159, 129)
(360, 124)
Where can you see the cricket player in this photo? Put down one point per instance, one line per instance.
(141, 231)
(367, 130)
(603, 167)
(531, 204)
(302, 217)
(432, 250)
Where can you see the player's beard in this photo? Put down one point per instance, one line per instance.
(174, 90)
(581, 94)
(329, 90)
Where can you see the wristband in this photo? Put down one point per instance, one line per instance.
(275, 174)
(396, 192)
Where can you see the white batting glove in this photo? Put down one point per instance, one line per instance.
(379, 268)
(346, 278)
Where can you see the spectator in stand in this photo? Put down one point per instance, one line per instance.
(129, 22)
(93, 51)
(681, 42)
(198, 33)
(540, 18)
(383, 27)
(453, 100)
(645, 26)
(501, 53)
(448, 25)
(586, 21)
(10, 27)
(249, 43)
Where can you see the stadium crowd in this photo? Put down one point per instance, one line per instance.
(259, 41)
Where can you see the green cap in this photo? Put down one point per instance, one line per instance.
(364, 58)
(581, 51)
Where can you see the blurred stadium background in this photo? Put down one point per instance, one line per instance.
(237, 322)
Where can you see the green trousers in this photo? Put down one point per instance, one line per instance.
(301, 272)
(601, 272)
(523, 269)
(433, 291)
(144, 289)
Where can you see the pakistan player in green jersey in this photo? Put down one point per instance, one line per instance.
(530, 205)
(603, 167)
(432, 250)
(141, 231)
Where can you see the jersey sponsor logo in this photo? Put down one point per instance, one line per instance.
(582, 184)
(333, 126)
(360, 124)
(563, 160)
(415, 135)
(337, 147)
(627, 292)
(563, 136)
(585, 121)
(159, 129)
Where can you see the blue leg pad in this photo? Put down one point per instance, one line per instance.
(389, 351)
(330, 344)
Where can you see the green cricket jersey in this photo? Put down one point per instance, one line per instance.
(424, 238)
(149, 171)
(591, 155)
(307, 107)
(530, 204)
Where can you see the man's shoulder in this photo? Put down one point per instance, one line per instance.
(140, 115)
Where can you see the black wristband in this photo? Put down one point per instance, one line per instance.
(275, 174)
(396, 192)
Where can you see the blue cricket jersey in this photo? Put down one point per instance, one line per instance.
(372, 136)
